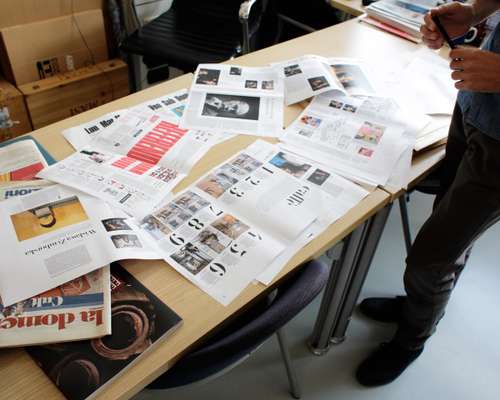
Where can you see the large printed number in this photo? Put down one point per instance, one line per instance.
(196, 224)
(218, 269)
(237, 192)
(235, 250)
(255, 235)
(215, 211)
(252, 180)
(176, 239)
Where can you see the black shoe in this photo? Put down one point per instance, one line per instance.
(383, 309)
(385, 364)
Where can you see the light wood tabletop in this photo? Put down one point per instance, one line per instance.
(20, 378)
(352, 7)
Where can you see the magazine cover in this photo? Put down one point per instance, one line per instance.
(139, 322)
(79, 309)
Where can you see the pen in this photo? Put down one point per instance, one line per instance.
(443, 32)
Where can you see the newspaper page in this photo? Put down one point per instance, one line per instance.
(354, 76)
(20, 161)
(171, 105)
(307, 76)
(426, 77)
(359, 138)
(21, 188)
(57, 234)
(434, 132)
(232, 99)
(311, 75)
(79, 309)
(226, 228)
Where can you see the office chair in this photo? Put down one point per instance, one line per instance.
(430, 185)
(193, 32)
(247, 332)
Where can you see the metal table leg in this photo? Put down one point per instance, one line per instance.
(334, 294)
(368, 246)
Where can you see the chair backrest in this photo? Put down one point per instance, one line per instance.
(249, 330)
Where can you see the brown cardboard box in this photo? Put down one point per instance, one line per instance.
(14, 120)
(53, 99)
(41, 49)
(18, 12)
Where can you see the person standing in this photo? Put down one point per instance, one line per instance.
(468, 204)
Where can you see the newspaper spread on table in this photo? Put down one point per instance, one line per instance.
(359, 138)
(311, 75)
(135, 163)
(79, 309)
(20, 160)
(241, 100)
(57, 234)
(228, 227)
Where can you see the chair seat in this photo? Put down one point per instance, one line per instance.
(189, 38)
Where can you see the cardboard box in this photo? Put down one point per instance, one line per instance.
(62, 96)
(18, 12)
(42, 49)
(14, 120)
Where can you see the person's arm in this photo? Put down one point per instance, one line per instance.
(474, 69)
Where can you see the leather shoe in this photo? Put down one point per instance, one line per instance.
(383, 309)
(385, 364)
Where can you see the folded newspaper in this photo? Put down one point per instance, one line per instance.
(232, 99)
(79, 309)
(311, 75)
(57, 234)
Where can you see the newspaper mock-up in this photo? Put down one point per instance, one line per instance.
(359, 138)
(171, 105)
(21, 188)
(435, 131)
(57, 234)
(343, 193)
(226, 228)
(232, 99)
(311, 75)
(79, 309)
(20, 161)
(134, 164)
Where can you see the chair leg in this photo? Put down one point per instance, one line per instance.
(405, 221)
(290, 371)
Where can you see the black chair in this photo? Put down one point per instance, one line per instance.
(195, 31)
(243, 336)
(430, 185)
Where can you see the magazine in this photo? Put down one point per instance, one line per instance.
(79, 309)
(57, 234)
(20, 160)
(231, 99)
(141, 322)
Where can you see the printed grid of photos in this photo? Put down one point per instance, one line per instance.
(211, 239)
(298, 168)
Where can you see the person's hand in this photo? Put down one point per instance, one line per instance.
(455, 17)
(475, 70)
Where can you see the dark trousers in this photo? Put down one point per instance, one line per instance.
(468, 205)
